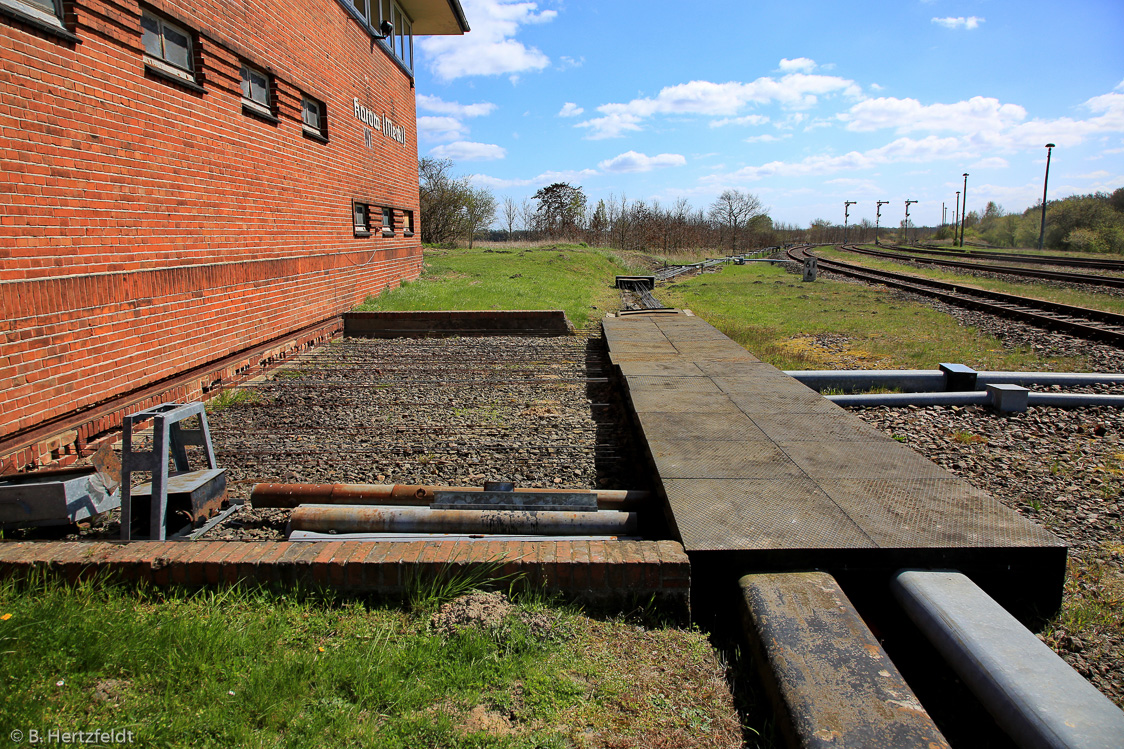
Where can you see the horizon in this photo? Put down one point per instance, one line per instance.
(892, 103)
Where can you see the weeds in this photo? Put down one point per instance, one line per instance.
(969, 438)
(235, 397)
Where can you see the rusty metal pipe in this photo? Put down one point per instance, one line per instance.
(410, 495)
(376, 519)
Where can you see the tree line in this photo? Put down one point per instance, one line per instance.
(453, 210)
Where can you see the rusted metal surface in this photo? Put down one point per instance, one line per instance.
(375, 519)
(293, 495)
(513, 500)
(832, 683)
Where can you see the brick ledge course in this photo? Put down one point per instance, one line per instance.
(601, 574)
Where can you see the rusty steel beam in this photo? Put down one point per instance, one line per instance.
(376, 519)
(831, 682)
(407, 495)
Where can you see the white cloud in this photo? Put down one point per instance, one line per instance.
(1101, 174)
(570, 109)
(900, 150)
(631, 161)
(490, 48)
(801, 64)
(468, 151)
(749, 119)
(610, 126)
(958, 22)
(991, 162)
(546, 178)
(1119, 86)
(792, 91)
(441, 128)
(454, 109)
(876, 87)
(767, 138)
(566, 62)
(906, 115)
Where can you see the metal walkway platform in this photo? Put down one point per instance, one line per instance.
(761, 472)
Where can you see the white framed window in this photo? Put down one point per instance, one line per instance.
(167, 43)
(255, 86)
(387, 222)
(43, 11)
(407, 223)
(401, 42)
(362, 216)
(312, 117)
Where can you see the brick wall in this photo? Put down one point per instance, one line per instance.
(147, 228)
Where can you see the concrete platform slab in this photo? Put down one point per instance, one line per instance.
(759, 472)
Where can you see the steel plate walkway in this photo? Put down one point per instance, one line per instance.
(762, 473)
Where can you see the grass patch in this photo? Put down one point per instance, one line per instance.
(235, 397)
(575, 279)
(239, 667)
(777, 317)
(1103, 302)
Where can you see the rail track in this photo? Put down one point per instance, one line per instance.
(1058, 260)
(1078, 321)
(1091, 279)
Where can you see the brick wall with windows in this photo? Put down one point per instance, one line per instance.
(160, 209)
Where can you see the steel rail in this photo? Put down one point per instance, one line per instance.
(1080, 321)
(1082, 278)
(1073, 262)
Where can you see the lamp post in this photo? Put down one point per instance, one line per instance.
(846, 215)
(955, 218)
(878, 218)
(907, 219)
(1042, 229)
(964, 209)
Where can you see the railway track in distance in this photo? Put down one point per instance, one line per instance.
(1115, 282)
(1017, 257)
(1078, 321)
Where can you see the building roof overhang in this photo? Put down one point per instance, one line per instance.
(436, 17)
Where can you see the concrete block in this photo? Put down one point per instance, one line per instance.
(1008, 397)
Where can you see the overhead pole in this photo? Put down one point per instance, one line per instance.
(1042, 228)
(907, 204)
(878, 219)
(964, 209)
(955, 218)
(846, 215)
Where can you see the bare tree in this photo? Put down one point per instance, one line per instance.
(509, 214)
(479, 212)
(733, 211)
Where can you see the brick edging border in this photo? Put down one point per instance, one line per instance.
(605, 575)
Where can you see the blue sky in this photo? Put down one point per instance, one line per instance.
(805, 104)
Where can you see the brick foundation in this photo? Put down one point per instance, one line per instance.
(615, 575)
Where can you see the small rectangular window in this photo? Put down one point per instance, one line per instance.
(166, 42)
(255, 86)
(312, 118)
(362, 219)
(387, 222)
(408, 223)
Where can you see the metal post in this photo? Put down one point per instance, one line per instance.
(878, 219)
(846, 215)
(1042, 228)
(964, 209)
(955, 218)
(907, 203)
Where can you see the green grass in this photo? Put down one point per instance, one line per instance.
(1104, 302)
(574, 279)
(253, 668)
(775, 315)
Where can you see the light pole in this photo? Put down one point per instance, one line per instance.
(878, 218)
(846, 215)
(964, 209)
(1042, 230)
(955, 218)
(907, 219)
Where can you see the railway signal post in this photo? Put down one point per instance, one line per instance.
(878, 219)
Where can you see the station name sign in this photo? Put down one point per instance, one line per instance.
(381, 124)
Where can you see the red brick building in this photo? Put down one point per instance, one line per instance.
(187, 188)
